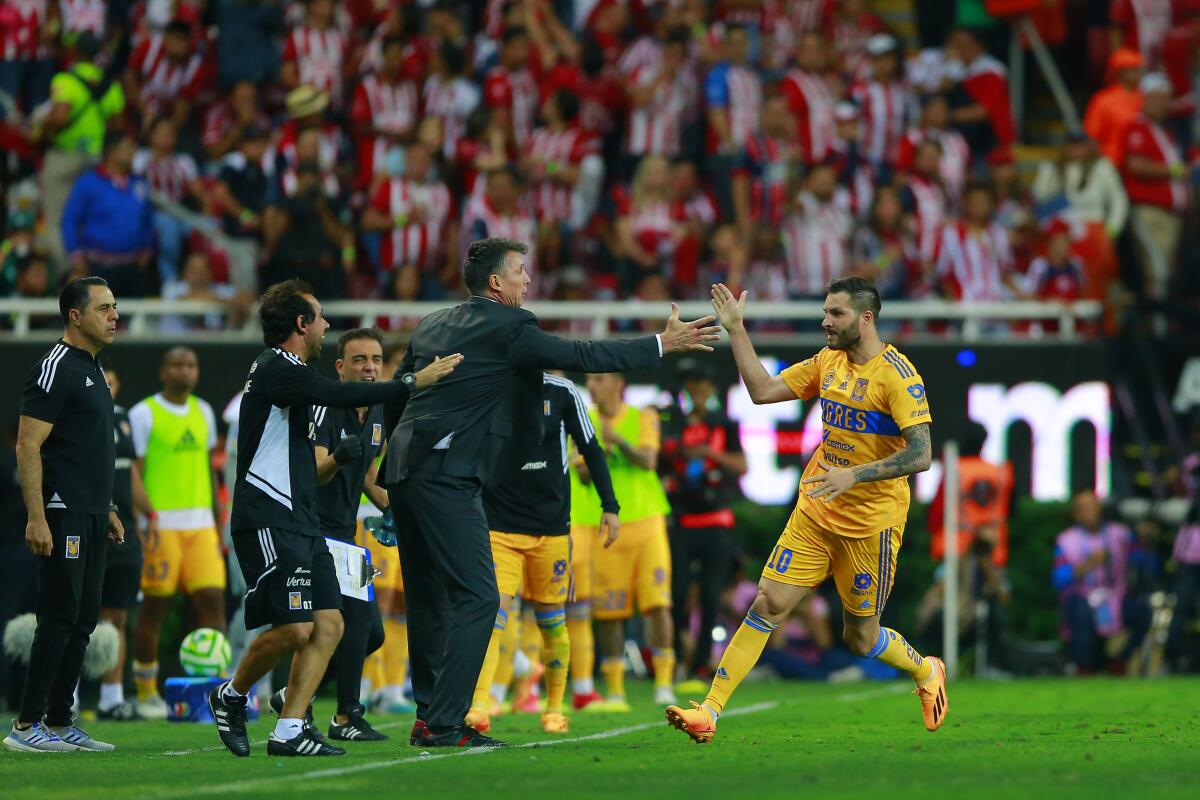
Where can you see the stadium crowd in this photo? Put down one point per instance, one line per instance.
(645, 148)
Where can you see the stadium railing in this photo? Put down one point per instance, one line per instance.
(970, 322)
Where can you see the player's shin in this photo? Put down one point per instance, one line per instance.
(892, 649)
(395, 645)
(740, 657)
(482, 698)
(583, 647)
(510, 642)
(556, 654)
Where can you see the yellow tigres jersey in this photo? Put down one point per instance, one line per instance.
(864, 407)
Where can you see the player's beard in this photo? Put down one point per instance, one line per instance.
(314, 352)
(847, 338)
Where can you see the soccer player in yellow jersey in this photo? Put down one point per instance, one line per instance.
(849, 517)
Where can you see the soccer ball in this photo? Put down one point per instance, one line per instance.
(205, 653)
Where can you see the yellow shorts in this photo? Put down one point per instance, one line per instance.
(539, 566)
(863, 569)
(383, 558)
(583, 543)
(636, 570)
(189, 559)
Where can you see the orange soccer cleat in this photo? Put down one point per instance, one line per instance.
(479, 719)
(696, 722)
(555, 723)
(934, 701)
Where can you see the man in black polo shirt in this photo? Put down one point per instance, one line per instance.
(65, 459)
(347, 442)
(276, 529)
(529, 514)
(701, 461)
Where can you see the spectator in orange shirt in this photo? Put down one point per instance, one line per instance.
(1114, 107)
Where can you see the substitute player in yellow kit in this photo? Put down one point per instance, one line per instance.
(853, 503)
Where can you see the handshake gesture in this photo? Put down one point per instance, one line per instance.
(679, 336)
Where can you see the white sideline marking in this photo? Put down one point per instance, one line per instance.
(359, 768)
(881, 691)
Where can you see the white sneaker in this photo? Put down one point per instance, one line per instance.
(153, 708)
(74, 735)
(664, 696)
(37, 738)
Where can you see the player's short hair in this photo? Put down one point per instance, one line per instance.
(486, 257)
(567, 104)
(454, 56)
(515, 32)
(863, 294)
(75, 295)
(971, 439)
(279, 307)
(394, 346)
(356, 334)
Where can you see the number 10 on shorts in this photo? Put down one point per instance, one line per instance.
(781, 559)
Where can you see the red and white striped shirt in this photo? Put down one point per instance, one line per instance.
(886, 109)
(657, 127)
(20, 30)
(972, 263)
(740, 101)
(652, 223)
(164, 80)
(644, 53)
(393, 107)
(810, 100)
(170, 176)
(320, 57)
(1147, 139)
(414, 243)
(956, 156)
(84, 15)
(815, 244)
(929, 212)
(329, 150)
(219, 120)
(1144, 25)
(849, 39)
(482, 220)
(517, 92)
(452, 102)
(786, 21)
(552, 199)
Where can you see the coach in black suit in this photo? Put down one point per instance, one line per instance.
(453, 438)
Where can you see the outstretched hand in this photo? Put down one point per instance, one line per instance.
(729, 310)
(679, 336)
(440, 368)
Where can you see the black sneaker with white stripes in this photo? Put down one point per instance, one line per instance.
(302, 744)
(276, 702)
(356, 728)
(230, 714)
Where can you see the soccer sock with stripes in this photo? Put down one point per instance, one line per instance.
(509, 644)
(556, 647)
(583, 646)
(664, 666)
(395, 650)
(145, 678)
(531, 639)
(613, 670)
(739, 658)
(893, 650)
(483, 686)
(111, 695)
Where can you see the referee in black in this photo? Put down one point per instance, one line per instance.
(347, 442)
(65, 460)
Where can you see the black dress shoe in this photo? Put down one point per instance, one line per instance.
(419, 731)
(460, 736)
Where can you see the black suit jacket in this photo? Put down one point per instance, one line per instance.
(492, 402)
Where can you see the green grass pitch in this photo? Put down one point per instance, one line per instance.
(1084, 738)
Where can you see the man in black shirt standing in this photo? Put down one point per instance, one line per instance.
(276, 529)
(701, 461)
(347, 442)
(529, 514)
(65, 459)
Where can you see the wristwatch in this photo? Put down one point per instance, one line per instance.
(409, 380)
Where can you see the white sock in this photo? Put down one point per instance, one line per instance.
(111, 695)
(522, 666)
(715, 714)
(583, 686)
(228, 691)
(288, 728)
(499, 692)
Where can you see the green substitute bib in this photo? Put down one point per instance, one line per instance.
(177, 472)
(639, 491)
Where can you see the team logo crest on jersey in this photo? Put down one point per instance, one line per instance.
(376, 433)
(72, 547)
(294, 603)
(860, 389)
(125, 428)
(917, 390)
(546, 407)
(864, 604)
(827, 381)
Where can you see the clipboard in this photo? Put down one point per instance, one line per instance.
(355, 573)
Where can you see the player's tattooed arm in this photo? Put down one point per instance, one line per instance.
(915, 457)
